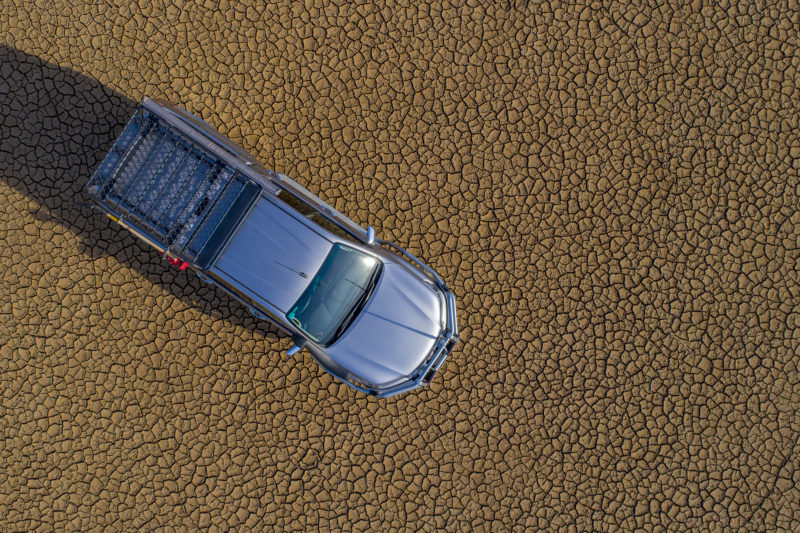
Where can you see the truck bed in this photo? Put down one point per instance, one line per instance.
(171, 190)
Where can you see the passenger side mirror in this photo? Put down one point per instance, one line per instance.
(370, 235)
(299, 342)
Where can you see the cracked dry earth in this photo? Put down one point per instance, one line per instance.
(611, 191)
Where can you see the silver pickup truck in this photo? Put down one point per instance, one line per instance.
(370, 313)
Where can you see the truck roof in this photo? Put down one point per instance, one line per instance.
(273, 255)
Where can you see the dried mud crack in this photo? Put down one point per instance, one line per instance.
(611, 191)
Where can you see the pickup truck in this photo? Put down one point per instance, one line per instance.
(371, 314)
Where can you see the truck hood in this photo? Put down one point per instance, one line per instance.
(273, 255)
(395, 331)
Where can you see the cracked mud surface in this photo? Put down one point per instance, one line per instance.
(611, 192)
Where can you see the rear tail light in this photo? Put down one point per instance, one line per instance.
(174, 261)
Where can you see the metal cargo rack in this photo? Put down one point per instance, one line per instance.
(178, 196)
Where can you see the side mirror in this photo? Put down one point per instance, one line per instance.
(299, 343)
(370, 235)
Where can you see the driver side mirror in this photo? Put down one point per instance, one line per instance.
(299, 343)
(370, 235)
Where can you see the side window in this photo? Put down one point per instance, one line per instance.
(301, 192)
(311, 214)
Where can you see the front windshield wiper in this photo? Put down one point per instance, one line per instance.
(357, 307)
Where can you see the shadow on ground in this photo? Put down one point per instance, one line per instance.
(70, 122)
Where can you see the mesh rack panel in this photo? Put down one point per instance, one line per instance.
(176, 191)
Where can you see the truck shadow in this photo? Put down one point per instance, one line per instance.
(56, 125)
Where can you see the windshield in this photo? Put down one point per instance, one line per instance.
(336, 294)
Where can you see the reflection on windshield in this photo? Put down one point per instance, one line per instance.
(336, 294)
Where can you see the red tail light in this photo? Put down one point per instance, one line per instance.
(174, 261)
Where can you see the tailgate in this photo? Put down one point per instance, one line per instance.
(164, 184)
